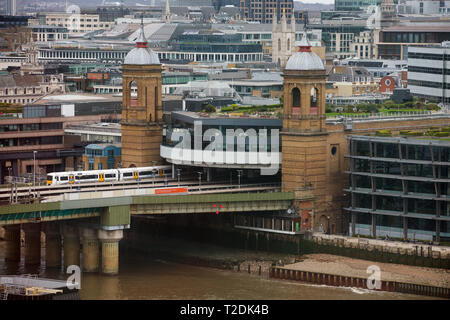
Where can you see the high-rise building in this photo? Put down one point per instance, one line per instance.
(263, 10)
(11, 7)
(429, 72)
(356, 5)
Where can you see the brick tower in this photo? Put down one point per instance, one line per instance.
(304, 135)
(141, 106)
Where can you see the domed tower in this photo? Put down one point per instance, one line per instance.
(304, 91)
(141, 106)
(304, 135)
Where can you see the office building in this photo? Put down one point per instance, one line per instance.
(429, 72)
(399, 187)
(262, 11)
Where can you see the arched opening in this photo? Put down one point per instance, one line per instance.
(324, 224)
(314, 106)
(133, 94)
(296, 106)
(279, 45)
(288, 44)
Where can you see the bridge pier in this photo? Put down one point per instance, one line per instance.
(90, 249)
(71, 245)
(110, 250)
(32, 243)
(12, 242)
(52, 245)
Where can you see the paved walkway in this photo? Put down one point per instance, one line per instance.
(387, 245)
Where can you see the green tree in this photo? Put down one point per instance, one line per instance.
(209, 108)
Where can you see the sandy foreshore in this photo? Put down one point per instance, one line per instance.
(344, 266)
(209, 255)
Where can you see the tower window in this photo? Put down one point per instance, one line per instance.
(133, 94)
(314, 98)
(296, 101)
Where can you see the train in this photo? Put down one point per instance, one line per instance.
(75, 177)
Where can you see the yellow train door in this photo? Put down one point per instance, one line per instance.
(101, 177)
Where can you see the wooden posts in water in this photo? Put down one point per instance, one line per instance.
(347, 281)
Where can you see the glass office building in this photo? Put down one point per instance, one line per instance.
(399, 187)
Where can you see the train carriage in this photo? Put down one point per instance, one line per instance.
(75, 177)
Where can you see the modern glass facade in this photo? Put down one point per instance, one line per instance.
(355, 5)
(399, 187)
(429, 73)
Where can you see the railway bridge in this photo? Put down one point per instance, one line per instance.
(92, 223)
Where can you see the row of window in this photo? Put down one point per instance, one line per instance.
(397, 222)
(428, 56)
(31, 127)
(411, 152)
(428, 70)
(408, 37)
(420, 206)
(14, 142)
(429, 84)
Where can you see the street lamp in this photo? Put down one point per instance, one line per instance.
(199, 180)
(178, 174)
(34, 173)
(154, 174)
(239, 177)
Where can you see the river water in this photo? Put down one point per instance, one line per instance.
(143, 276)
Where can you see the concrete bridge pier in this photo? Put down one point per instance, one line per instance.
(71, 245)
(32, 243)
(12, 242)
(53, 246)
(90, 249)
(110, 250)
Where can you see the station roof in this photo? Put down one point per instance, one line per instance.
(225, 120)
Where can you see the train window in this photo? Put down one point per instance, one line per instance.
(146, 173)
(87, 177)
(110, 175)
(127, 174)
(63, 178)
(49, 178)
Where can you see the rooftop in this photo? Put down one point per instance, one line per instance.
(78, 97)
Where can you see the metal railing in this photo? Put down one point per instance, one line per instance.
(387, 115)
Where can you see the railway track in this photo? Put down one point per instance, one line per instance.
(25, 194)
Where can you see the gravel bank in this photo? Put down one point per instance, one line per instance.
(338, 265)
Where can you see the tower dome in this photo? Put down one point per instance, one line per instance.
(304, 59)
(141, 54)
